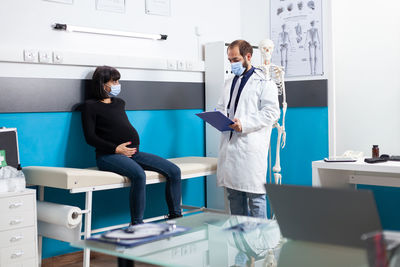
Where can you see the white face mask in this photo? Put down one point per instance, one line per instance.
(237, 68)
(115, 90)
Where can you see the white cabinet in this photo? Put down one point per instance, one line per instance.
(18, 229)
(217, 69)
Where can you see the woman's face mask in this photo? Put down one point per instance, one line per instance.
(115, 89)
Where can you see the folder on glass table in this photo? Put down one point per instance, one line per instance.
(141, 234)
(217, 120)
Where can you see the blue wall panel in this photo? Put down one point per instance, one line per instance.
(387, 200)
(56, 139)
(306, 141)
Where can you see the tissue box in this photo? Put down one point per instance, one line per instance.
(16, 184)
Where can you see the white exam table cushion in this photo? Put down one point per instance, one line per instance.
(69, 178)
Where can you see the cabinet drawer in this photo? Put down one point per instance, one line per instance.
(17, 254)
(17, 237)
(17, 220)
(17, 203)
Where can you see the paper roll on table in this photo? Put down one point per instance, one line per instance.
(57, 221)
(68, 216)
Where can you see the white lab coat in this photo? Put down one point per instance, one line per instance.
(243, 160)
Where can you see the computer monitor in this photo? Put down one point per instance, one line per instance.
(324, 215)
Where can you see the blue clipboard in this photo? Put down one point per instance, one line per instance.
(217, 120)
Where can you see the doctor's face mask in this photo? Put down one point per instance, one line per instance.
(237, 68)
(238, 63)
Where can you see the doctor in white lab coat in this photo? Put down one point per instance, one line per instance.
(251, 101)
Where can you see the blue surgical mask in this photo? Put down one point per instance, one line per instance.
(237, 68)
(115, 90)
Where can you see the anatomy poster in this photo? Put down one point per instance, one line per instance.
(296, 29)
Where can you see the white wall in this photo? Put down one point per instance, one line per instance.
(366, 35)
(26, 24)
(255, 20)
(366, 38)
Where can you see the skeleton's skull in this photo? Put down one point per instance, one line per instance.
(266, 47)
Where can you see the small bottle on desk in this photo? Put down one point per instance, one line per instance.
(375, 151)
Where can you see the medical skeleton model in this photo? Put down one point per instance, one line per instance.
(255, 242)
(275, 73)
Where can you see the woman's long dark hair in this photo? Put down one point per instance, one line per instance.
(102, 75)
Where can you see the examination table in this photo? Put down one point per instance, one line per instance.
(88, 180)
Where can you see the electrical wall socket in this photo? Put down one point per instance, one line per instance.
(30, 55)
(45, 57)
(171, 64)
(189, 65)
(58, 57)
(181, 65)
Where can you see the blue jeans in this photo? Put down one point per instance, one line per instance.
(134, 168)
(247, 204)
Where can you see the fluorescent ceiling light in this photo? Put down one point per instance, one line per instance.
(71, 28)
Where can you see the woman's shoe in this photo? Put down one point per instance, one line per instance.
(173, 216)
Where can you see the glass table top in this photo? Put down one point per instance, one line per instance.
(209, 243)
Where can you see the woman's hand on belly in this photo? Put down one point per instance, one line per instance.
(125, 150)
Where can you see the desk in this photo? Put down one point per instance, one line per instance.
(349, 174)
(208, 244)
